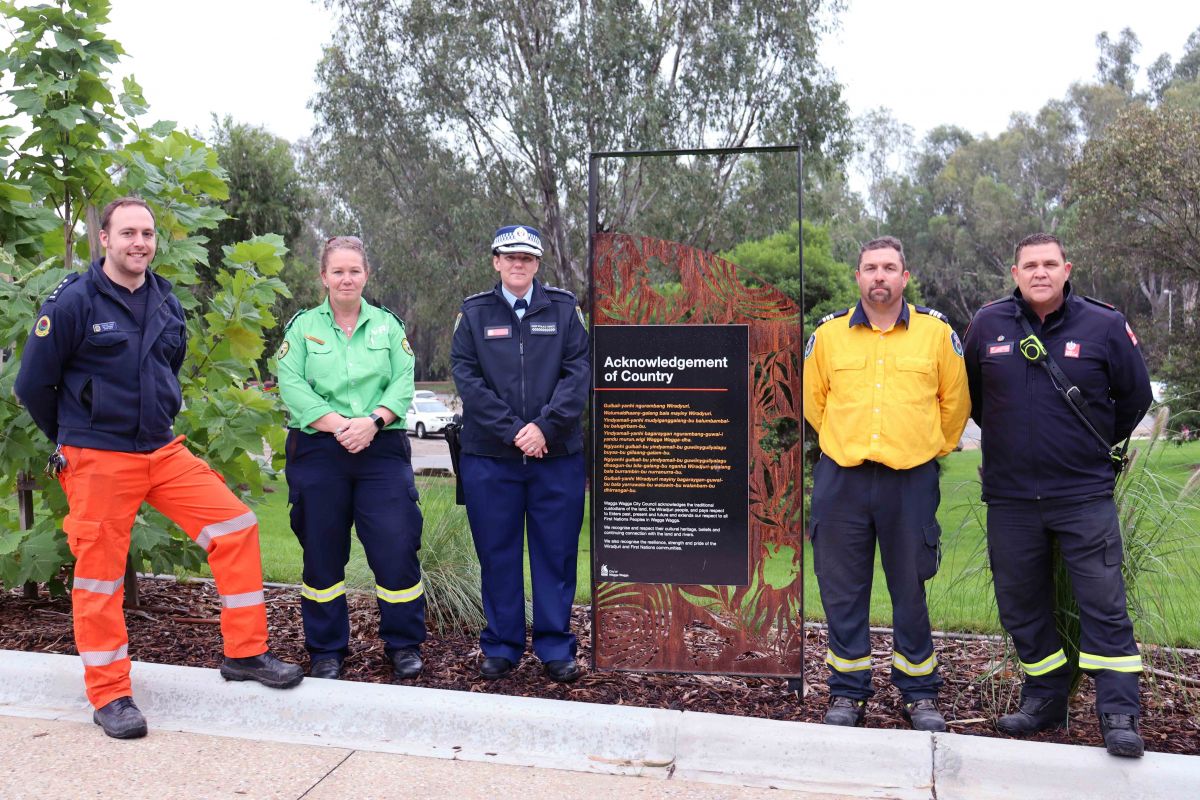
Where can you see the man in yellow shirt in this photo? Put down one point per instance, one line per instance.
(886, 390)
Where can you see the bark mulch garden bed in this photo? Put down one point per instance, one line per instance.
(177, 624)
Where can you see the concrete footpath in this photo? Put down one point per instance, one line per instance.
(329, 739)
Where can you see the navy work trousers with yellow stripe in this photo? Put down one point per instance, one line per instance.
(852, 508)
(329, 489)
(1021, 536)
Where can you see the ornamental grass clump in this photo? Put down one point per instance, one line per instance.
(449, 568)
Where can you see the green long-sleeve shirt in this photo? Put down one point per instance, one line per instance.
(321, 371)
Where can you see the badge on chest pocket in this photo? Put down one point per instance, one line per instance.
(543, 328)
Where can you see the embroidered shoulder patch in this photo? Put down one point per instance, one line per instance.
(42, 328)
(810, 344)
(283, 349)
(407, 347)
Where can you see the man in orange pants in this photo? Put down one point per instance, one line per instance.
(99, 376)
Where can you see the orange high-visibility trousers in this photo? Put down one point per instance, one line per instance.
(105, 488)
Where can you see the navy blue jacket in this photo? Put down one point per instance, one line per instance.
(92, 377)
(1034, 447)
(510, 372)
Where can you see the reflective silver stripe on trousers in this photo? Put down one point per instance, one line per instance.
(99, 587)
(210, 532)
(102, 658)
(242, 600)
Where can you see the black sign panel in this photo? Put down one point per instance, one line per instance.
(671, 413)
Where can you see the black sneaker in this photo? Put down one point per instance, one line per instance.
(266, 669)
(923, 715)
(1121, 737)
(121, 719)
(1035, 714)
(846, 711)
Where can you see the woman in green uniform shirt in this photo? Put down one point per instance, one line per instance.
(346, 376)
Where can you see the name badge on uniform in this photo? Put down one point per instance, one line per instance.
(1000, 349)
(543, 328)
(1071, 350)
(104, 326)
(499, 332)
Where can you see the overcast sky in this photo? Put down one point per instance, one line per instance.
(930, 61)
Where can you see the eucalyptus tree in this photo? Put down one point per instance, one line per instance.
(520, 93)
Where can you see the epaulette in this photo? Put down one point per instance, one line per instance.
(1008, 298)
(556, 290)
(932, 312)
(293, 319)
(67, 281)
(394, 314)
(1109, 306)
(834, 315)
(477, 296)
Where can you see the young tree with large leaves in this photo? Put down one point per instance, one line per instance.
(71, 145)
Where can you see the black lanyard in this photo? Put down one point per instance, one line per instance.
(1036, 352)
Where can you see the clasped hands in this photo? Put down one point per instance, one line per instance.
(356, 434)
(531, 441)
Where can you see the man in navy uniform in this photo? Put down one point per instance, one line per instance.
(1047, 477)
(520, 363)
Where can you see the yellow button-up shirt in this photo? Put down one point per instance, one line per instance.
(898, 397)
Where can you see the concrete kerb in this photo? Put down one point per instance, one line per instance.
(597, 738)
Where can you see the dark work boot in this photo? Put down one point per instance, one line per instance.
(1121, 737)
(406, 664)
(328, 668)
(121, 719)
(846, 711)
(565, 671)
(266, 669)
(494, 667)
(1035, 714)
(923, 715)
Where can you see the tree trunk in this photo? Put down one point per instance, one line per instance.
(25, 487)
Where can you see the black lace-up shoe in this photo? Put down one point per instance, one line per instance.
(406, 664)
(494, 667)
(565, 671)
(923, 715)
(328, 668)
(1121, 737)
(121, 719)
(1035, 714)
(266, 669)
(846, 711)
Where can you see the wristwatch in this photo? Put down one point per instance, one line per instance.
(378, 420)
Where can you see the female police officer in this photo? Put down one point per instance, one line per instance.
(346, 376)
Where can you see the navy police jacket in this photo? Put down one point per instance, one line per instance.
(1034, 447)
(510, 372)
(92, 377)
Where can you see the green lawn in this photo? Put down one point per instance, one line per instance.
(281, 552)
(960, 596)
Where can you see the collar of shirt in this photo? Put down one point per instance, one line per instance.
(1053, 318)
(363, 313)
(512, 298)
(859, 317)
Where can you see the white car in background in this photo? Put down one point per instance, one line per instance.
(427, 415)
